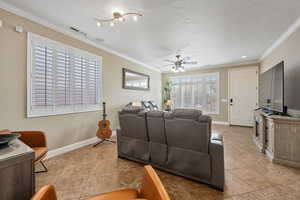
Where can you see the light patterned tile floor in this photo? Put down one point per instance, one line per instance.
(248, 174)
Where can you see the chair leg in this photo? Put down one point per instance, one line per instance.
(44, 166)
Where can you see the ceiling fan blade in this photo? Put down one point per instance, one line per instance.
(164, 68)
(186, 58)
(190, 63)
(171, 61)
(167, 65)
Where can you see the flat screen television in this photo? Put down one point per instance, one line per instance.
(271, 89)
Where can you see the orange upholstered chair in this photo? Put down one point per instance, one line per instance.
(45, 193)
(4, 131)
(151, 189)
(37, 141)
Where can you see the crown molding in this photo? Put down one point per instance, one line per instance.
(281, 39)
(39, 20)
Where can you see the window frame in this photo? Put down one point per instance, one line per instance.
(217, 112)
(58, 110)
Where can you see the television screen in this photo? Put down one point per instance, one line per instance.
(271, 91)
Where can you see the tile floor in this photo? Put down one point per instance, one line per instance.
(248, 174)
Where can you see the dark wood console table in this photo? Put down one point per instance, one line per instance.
(17, 180)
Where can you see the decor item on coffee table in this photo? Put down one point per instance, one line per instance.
(146, 105)
(179, 142)
(153, 105)
(135, 80)
(8, 138)
(168, 105)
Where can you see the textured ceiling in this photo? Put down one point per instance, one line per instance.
(212, 32)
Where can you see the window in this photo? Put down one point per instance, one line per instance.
(61, 79)
(196, 91)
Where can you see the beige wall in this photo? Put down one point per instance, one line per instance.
(289, 52)
(61, 130)
(223, 71)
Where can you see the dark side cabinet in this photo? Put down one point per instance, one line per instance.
(17, 180)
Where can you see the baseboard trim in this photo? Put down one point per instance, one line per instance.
(221, 123)
(71, 147)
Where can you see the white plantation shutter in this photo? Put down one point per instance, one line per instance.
(93, 82)
(43, 76)
(61, 79)
(77, 80)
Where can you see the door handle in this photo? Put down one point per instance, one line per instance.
(231, 102)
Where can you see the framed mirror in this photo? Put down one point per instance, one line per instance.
(135, 80)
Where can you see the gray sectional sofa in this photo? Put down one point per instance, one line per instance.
(179, 142)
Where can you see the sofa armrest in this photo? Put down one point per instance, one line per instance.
(217, 157)
(216, 136)
(118, 133)
(33, 138)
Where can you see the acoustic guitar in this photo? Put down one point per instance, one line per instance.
(104, 132)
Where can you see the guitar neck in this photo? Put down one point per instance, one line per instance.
(104, 112)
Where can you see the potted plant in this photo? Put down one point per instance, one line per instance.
(167, 96)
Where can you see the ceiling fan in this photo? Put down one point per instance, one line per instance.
(178, 65)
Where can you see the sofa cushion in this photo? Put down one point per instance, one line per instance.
(132, 109)
(133, 148)
(134, 125)
(185, 114)
(158, 153)
(156, 126)
(188, 134)
(155, 113)
(191, 163)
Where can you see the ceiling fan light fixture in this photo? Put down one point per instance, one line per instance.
(99, 24)
(181, 69)
(178, 64)
(112, 24)
(135, 18)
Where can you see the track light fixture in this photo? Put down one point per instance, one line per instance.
(117, 17)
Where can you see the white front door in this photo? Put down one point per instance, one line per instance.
(243, 95)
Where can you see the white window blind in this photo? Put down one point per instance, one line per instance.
(196, 91)
(61, 79)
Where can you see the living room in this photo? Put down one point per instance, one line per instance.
(203, 96)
